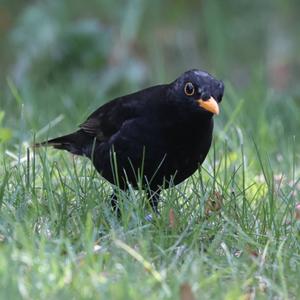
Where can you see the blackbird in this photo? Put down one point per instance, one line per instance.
(156, 136)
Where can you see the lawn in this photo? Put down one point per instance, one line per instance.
(231, 231)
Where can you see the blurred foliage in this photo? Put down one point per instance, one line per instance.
(5, 133)
(53, 39)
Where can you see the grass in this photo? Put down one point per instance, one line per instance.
(229, 231)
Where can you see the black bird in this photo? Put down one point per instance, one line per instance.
(155, 136)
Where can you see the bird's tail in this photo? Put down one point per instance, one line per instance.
(78, 143)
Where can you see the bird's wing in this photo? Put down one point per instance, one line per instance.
(109, 118)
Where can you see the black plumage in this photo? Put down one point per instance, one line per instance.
(155, 135)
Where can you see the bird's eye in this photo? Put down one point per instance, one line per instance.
(189, 89)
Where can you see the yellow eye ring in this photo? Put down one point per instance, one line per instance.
(189, 89)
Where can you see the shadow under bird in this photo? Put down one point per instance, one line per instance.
(155, 136)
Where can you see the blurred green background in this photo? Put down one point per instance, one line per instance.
(67, 57)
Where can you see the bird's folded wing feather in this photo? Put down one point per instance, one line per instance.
(108, 119)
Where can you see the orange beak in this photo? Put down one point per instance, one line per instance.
(210, 105)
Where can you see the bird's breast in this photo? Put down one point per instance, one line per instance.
(161, 149)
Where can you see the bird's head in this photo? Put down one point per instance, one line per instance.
(199, 89)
